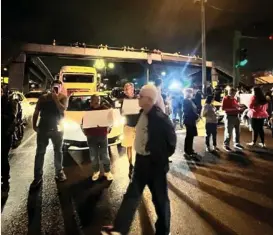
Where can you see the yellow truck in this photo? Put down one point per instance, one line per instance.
(78, 79)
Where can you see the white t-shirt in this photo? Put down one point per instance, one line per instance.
(142, 135)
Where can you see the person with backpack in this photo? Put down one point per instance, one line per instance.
(258, 113)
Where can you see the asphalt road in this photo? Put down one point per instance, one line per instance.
(225, 194)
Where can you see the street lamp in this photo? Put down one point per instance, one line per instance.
(111, 65)
(99, 64)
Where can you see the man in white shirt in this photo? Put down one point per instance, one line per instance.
(159, 101)
(155, 142)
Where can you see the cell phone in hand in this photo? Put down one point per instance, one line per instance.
(56, 90)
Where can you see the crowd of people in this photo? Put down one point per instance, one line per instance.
(150, 134)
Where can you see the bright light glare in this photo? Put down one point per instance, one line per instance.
(111, 65)
(175, 85)
(99, 75)
(5, 69)
(70, 125)
(151, 83)
(244, 62)
(99, 64)
(163, 73)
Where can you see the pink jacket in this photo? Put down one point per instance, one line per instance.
(257, 111)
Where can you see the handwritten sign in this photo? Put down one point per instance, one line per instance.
(98, 118)
(130, 106)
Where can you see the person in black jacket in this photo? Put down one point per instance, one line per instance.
(155, 142)
(190, 116)
(8, 118)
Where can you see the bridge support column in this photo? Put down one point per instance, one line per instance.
(148, 68)
(214, 77)
(17, 73)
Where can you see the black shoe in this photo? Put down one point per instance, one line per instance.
(5, 189)
(36, 183)
(131, 169)
(227, 148)
(61, 177)
(239, 146)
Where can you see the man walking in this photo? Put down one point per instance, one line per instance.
(155, 142)
(51, 108)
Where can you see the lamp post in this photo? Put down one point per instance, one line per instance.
(203, 39)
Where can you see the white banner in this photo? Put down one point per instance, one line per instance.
(98, 118)
(245, 99)
(130, 106)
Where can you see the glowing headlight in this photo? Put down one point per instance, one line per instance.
(70, 125)
(120, 122)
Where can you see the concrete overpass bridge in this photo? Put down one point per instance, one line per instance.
(30, 54)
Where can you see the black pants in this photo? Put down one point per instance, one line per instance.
(211, 130)
(191, 131)
(258, 129)
(145, 173)
(5, 148)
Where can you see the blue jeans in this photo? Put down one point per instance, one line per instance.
(145, 173)
(42, 143)
(211, 130)
(98, 150)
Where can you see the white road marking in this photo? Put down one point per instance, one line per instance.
(26, 141)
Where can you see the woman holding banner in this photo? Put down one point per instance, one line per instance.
(129, 131)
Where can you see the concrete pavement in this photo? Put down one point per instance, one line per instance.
(225, 194)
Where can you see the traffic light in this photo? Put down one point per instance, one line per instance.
(271, 37)
(242, 58)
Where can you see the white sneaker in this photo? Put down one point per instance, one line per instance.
(262, 145)
(108, 176)
(96, 175)
(251, 144)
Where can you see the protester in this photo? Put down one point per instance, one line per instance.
(177, 108)
(160, 101)
(8, 117)
(190, 117)
(167, 103)
(198, 100)
(209, 112)
(51, 107)
(155, 142)
(269, 99)
(232, 120)
(98, 144)
(129, 131)
(258, 113)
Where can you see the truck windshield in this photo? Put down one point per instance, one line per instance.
(78, 78)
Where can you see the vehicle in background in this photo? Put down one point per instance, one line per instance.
(27, 109)
(78, 79)
(78, 104)
(33, 96)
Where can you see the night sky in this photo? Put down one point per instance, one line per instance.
(168, 25)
